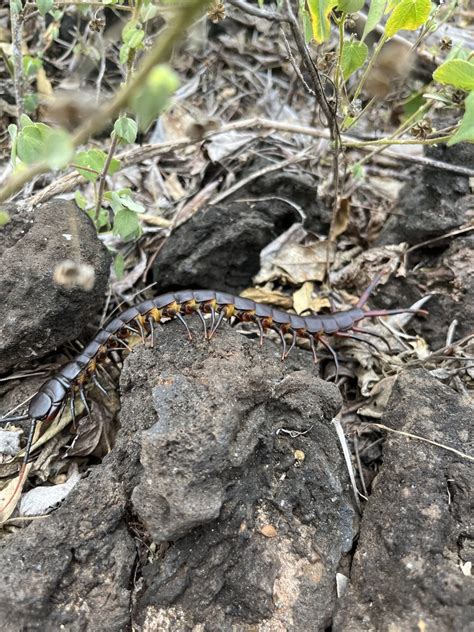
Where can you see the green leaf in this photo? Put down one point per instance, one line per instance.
(31, 65)
(160, 85)
(319, 11)
(408, 15)
(126, 129)
(350, 6)
(4, 218)
(31, 144)
(119, 266)
(376, 9)
(94, 159)
(354, 55)
(133, 34)
(31, 102)
(131, 204)
(457, 73)
(60, 149)
(80, 200)
(44, 6)
(465, 131)
(126, 225)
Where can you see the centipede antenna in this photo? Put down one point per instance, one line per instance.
(183, 322)
(99, 385)
(151, 324)
(293, 342)
(360, 330)
(373, 313)
(326, 344)
(219, 320)
(13, 419)
(365, 295)
(260, 329)
(203, 321)
(343, 334)
(283, 342)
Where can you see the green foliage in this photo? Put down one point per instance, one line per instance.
(31, 65)
(407, 15)
(44, 6)
(94, 159)
(456, 72)
(465, 131)
(160, 85)
(119, 266)
(37, 142)
(126, 223)
(126, 129)
(350, 6)
(132, 37)
(376, 11)
(4, 218)
(319, 11)
(354, 54)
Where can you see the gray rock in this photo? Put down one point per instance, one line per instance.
(434, 202)
(219, 247)
(219, 467)
(37, 315)
(417, 528)
(71, 570)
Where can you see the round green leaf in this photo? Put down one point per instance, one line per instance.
(354, 55)
(456, 72)
(350, 6)
(126, 129)
(407, 15)
(466, 129)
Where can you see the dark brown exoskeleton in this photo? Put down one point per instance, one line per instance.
(53, 396)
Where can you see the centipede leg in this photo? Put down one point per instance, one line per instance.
(99, 385)
(213, 318)
(219, 320)
(261, 331)
(360, 330)
(292, 345)
(141, 330)
(151, 324)
(343, 334)
(72, 409)
(203, 321)
(326, 344)
(313, 348)
(283, 342)
(120, 341)
(84, 401)
(185, 324)
(29, 441)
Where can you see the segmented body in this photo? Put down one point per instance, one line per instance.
(49, 399)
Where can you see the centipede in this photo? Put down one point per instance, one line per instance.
(213, 308)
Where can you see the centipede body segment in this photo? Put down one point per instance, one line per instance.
(141, 320)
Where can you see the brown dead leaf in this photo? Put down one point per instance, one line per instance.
(341, 220)
(302, 263)
(302, 298)
(269, 531)
(10, 495)
(266, 296)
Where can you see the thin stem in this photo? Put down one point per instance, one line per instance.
(369, 66)
(16, 22)
(103, 175)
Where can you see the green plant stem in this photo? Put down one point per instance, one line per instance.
(369, 66)
(103, 175)
(388, 141)
(160, 53)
